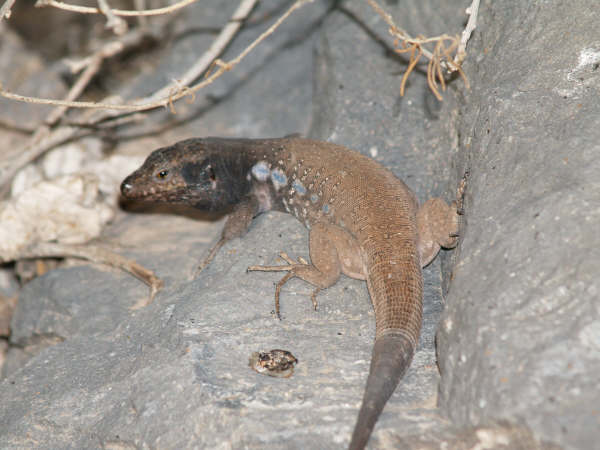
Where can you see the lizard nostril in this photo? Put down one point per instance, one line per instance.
(126, 187)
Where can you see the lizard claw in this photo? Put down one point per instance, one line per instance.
(289, 268)
(284, 268)
(290, 261)
(284, 280)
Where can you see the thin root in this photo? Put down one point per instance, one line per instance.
(98, 255)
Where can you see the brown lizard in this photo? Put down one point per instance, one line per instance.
(363, 221)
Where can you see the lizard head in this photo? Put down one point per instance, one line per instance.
(189, 172)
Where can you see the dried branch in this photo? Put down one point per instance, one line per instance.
(116, 12)
(98, 255)
(83, 80)
(440, 58)
(140, 5)
(412, 62)
(398, 32)
(118, 25)
(42, 134)
(6, 9)
(472, 11)
(41, 142)
(178, 89)
(43, 138)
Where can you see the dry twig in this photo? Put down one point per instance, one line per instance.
(118, 25)
(47, 135)
(117, 12)
(439, 58)
(140, 5)
(163, 97)
(6, 9)
(472, 11)
(44, 138)
(178, 89)
(98, 255)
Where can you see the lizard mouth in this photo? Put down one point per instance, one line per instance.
(173, 196)
(130, 191)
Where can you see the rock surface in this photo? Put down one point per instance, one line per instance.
(520, 337)
(518, 346)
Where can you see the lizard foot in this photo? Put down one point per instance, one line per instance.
(290, 268)
(286, 258)
(211, 254)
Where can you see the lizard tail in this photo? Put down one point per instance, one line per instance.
(392, 354)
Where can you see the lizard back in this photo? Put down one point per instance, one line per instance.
(328, 182)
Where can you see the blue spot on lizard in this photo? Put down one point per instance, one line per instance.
(278, 178)
(299, 187)
(261, 171)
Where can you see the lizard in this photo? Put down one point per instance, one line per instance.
(363, 222)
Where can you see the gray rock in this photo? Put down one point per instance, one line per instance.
(24, 72)
(499, 435)
(520, 338)
(269, 94)
(146, 377)
(518, 346)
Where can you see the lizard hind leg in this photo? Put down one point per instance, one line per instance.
(325, 267)
(288, 276)
(437, 225)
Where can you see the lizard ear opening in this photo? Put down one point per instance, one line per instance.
(213, 178)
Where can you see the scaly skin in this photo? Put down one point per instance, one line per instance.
(363, 221)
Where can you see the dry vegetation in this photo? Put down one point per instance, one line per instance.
(446, 56)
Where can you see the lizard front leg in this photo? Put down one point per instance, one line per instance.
(332, 251)
(237, 225)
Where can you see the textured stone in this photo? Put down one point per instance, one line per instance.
(521, 332)
(518, 346)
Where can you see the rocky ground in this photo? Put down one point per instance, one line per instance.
(510, 349)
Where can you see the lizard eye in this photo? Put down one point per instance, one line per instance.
(162, 174)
